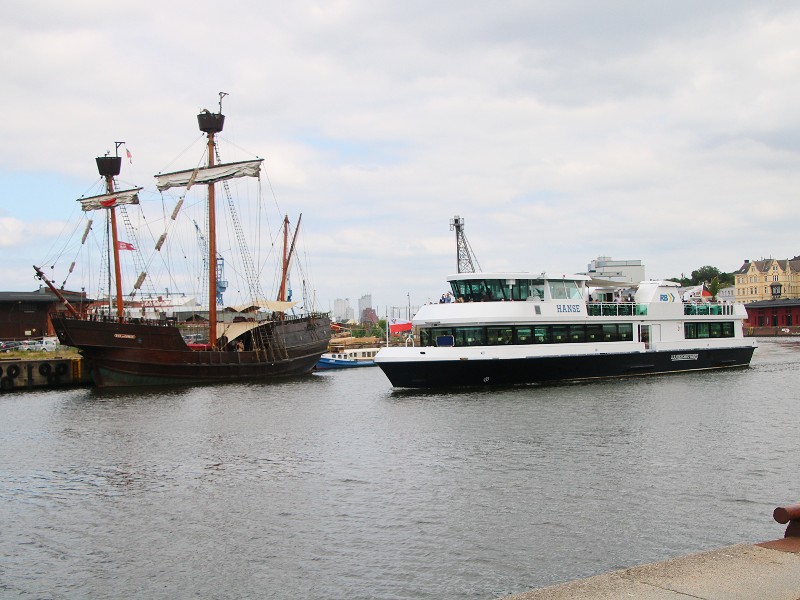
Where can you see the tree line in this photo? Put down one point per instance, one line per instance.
(706, 275)
(712, 276)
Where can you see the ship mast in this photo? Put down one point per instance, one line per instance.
(288, 251)
(211, 124)
(109, 167)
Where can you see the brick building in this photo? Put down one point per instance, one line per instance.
(27, 314)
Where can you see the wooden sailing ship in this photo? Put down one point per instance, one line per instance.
(125, 351)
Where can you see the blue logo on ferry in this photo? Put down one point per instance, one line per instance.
(568, 308)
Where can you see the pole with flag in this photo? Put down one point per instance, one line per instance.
(397, 326)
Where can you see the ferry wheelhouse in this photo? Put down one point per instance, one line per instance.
(516, 328)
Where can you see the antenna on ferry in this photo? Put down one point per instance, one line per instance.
(464, 255)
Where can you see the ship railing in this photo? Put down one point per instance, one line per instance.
(173, 321)
(615, 309)
(707, 308)
(167, 322)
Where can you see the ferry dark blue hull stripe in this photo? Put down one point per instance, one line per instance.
(543, 369)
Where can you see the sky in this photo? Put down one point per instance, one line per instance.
(559, 131)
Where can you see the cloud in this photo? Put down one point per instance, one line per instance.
(559, 130)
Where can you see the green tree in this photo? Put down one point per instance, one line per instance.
(684, 281)
(705, 274)
(379, 329)
(714, 287)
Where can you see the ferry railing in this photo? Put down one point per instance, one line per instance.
(707, 308)
(615, 309)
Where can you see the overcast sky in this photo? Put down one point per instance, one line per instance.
(559, 130)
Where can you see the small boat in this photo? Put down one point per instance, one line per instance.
(271, 341)
(347, 358)
(520, 328)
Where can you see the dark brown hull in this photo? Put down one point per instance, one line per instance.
(154, 353)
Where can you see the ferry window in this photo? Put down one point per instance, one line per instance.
(560, 334)
(498, 290)
(528, 288)
(558, 291)
(520, 290)
(594, 333)
(470, 291)
(610, 333)
(524, 335)
(625, 332)
(702, 330)
(542, 334)
(536, 288)
(715, 329)
(565, 290)
(577, 334)
(424, 337)
(690, 331)
(727, 329)
(470, 336)
(499, 336)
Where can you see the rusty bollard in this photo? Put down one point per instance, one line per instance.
(791, 515)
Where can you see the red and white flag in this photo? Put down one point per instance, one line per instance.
(129, 155)
(397, 326)
(125, 246)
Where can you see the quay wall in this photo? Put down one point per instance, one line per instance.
(42, 372)
(785, 331)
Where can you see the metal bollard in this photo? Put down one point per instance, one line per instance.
(791, 515)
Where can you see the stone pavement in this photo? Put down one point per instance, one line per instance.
(767, 571)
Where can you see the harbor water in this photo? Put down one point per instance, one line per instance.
(337, 486)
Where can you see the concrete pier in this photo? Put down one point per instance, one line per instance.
(46, 370)
(766, 571)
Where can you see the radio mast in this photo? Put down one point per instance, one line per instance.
(464, 255)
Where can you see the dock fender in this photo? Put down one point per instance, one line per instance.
(12, 371)
(61, 369)
(6, 384)
(45, 369)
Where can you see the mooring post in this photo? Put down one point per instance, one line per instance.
(791, 515)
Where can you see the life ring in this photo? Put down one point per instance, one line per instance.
(12, 371)
(44, 369)
(6, 384)
(61, 369)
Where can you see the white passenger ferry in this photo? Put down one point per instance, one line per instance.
(512, 328)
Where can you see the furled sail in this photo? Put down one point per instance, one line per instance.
(110, 200)
(248, 168)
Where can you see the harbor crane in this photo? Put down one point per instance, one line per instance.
(222, 284)
(465, 257)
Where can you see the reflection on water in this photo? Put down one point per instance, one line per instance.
(336, 486)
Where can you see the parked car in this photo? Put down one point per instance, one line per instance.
(9, 346)
(40, 345)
